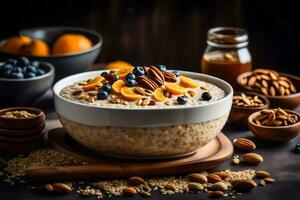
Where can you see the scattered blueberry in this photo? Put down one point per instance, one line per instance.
(104, 74)
(139, 71)
(131, 82)
(162, 68)
(106, 88)
(15, 75)
(176, 73)
(130, 76)
(40, 72)
(205, 96)
(297, 148)
(182, 100)
(102, 95)
(29, 75)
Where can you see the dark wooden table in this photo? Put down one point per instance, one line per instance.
(279, 160)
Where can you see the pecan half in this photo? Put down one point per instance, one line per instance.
(156, 75)
(169, 76)
(147, 82)
(146, 69)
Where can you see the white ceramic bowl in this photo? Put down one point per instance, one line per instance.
(146, 132)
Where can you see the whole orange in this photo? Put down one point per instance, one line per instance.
(35, 48)
(13, 45)
(71, 43)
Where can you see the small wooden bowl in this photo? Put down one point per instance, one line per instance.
(28, 138)
(288, 101)
(274, 134)
(21, 147)
(26, 123)
(23, 132)
(239, 115)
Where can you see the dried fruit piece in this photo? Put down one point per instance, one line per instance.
(253, 158)
(244, 144)
(188, 82)
(122, 73)
(174, 88)
(158, 94)
(91, 85)
(129, 94)
(116, 87)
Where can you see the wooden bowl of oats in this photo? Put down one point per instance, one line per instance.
(21, 118)
(244, 104)
(275, 125)
(282, 90)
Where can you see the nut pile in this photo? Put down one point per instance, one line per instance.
(243, 100)
(268, 82)
(275, 117)
(18, 114)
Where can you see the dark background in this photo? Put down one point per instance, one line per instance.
(171, 32)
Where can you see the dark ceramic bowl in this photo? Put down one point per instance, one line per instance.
(288, 101)
(239, 115)
(23, 92)
(25, 123)
(66, 64)
(274, 134)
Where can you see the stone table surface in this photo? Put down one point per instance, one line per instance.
(278, 159)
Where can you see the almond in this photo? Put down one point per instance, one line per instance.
(269, 180)
(253, 158)
(213, 178)
(216, 194)
(49, 187)
(61, 188)
(170, 186)
(136, 180)
(129, 191)
(222, 175)
(243, 184)
(262, 174)
(199, 178)
(195, 186)
(244, 144)
(219, 186)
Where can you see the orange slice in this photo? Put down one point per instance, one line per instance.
(93, 83)
(116, 87)
(174, 88)
(123, 72)
(159, 94)
(129, 94)
(188, 82)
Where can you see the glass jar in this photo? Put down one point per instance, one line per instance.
(227, 54)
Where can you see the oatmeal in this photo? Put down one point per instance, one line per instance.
(142, 87)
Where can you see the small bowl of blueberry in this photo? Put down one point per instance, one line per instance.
(22, 81)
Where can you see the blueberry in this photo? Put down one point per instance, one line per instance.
(297, 148)
(205, 96)
(35, 63)
(32, 69)
(12, 62)
(104, 74)
(17, 70)
(106, 88)
(102, 95)
(182, 100)
(40, 72)
(22, 62)
(130, 76)
(7, 66)
(15, 75)
(29, 75)
(162, 68)
(6, 74)
(139, 71)
(130, 82)
(176, 73)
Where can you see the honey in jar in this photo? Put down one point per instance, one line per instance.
(227, 54)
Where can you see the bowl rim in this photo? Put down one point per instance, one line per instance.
(47, 74)
(224, 83)
(94, 47)
(297, 94)
(265, 99)
(251, 117)
(41, 113)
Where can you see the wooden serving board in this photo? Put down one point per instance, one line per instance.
(211, 155)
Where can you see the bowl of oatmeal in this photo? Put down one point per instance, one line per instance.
(143, 112)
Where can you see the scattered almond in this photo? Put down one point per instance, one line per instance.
(193, 186)
(213, 178)
(136, 180)
(216, 194)
(253, 158)
(269, 180)
(170, 186)
(129, 191)
(243, 184)
(262, 174)
(244, 144)
(219, 186)
(196, 177)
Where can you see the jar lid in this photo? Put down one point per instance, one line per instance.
(227, 37)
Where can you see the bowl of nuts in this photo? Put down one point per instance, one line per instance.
(281, 89)
(244, 104)
(276, 125)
